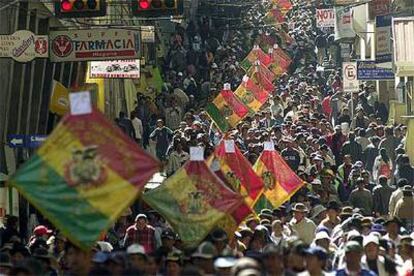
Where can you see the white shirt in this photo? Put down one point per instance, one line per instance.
(395, 196)
(137, 124)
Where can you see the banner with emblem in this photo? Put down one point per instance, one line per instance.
(280, 181)
(84, 176)
(251, 94)
(226, 110)
(193, 201)
(256, 54)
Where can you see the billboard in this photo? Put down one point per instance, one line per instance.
(24, 46)
(96, 44)
(325, 18)
(126, 69)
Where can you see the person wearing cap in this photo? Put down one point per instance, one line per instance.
(353, 254)
(168, 238)
(303, 227)
(361, 197)
(40, 232)
(142, 233)
(278, 237)
(332, 215)
(381, 195)
(223, 265)
(396, 196)
(173, 264)
(204, 256)
(136, 256)
(404, 209)
(318, 213)
(219, 239)
(316, 258)
(392, 227)
(372, 259)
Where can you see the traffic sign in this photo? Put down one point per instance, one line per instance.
(350, 81)
(34, 141)
(16, 140)
(25, 141)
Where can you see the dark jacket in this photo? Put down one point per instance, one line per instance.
(354, 149)
(369, 155)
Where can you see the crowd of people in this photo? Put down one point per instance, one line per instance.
(354, 216)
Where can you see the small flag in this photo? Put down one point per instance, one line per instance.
(193, 201)
(251, 95)
(226, 110)
(256, 54)
(84, 176)
(280, 182)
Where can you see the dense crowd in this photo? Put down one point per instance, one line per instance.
(354, 216)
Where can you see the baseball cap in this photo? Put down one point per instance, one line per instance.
(317, 251)
(371, 239)
(41, 230)
(353, 246)
(135, 249)
(141, 216)
(168, 234)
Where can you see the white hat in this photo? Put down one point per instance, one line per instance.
(371, 239)
(135, 249)
(321, 235)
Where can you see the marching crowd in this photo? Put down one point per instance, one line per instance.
(354, 216)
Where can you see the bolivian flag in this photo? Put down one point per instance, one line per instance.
(266, 41)
(251, 95)
(84, 176)
(280, 61)
(256, 54)
(237, 171)
(193, 201)
(280, 182)
(284, 5)
(274, 16)
(262, 77)
(226, 110)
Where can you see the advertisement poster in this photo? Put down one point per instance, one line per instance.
(383, 43)
(24, 46)
(343, 24)
(126, 69)
(105, 44)
(325, 18)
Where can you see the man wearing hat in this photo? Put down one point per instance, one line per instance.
(404, 209)
(316, 258)
(372, 259)
(142, 233)
(168, 238)
(392, 227)
(332, 213)
(353, 254)
(303, 227)
(204, 256)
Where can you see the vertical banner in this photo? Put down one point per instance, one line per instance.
(343, 24)
(383, 51)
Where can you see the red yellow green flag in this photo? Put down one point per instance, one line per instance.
(274, 16)
(280, 182)
(229, 164)
(226, 110)
(280, 61)
(262, 77)
(84, 176)
(266, 41)
(256, 54)
(284, 5)
(193, 201)
(237, 171)
(251, 95)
